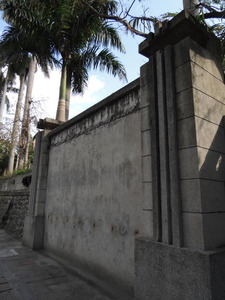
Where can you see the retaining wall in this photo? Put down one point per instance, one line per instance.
(14, 200)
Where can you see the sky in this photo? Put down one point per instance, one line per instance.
(100, 84)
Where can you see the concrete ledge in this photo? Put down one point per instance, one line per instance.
(14, 193)
(166, 272)
(48, 123)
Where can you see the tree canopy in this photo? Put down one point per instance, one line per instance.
(66, 30)
(211, 13)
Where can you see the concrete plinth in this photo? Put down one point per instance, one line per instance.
(33, 232)
(168, 272)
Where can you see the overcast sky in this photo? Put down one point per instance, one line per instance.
(100, 83)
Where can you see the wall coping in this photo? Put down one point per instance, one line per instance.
(175, 30)
(132, 86)
(15, 192)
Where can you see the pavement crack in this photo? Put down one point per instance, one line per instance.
(9, 289)
(27, 282)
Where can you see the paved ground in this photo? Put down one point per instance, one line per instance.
(30, 275)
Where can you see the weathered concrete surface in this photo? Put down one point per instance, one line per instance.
(29, 275)
(94, 190)
(167, 272)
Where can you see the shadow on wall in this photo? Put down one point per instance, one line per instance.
(212, 181)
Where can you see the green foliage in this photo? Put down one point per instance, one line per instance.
(212, 15)
(18, 172)
(67, 28)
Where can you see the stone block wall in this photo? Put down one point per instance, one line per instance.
(13, 209)
(14, 202)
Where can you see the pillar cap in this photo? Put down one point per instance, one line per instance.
(175, 30)
(48, 123)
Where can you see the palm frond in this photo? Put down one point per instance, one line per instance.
(108, 36)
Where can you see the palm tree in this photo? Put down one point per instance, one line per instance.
(65, 27)
(3, 96)
(15, 129)
(81, 42)
(89, 57)
(24, 140)
(21, 46)
(20, 65)
(5, 83)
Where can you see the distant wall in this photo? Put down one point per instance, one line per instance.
(14, 199)
(14, 183)
(94, 186)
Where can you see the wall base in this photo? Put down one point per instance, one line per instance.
(166, 272)
(33, 232)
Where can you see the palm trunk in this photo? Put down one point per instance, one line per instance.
(68, 93)
(17, 162)
(2, 106)
(25, 123)
(27, 144)
(16, 125)
(60, 115)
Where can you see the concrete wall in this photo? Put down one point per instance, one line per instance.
(14, 200)
(93, 208)
(142, 172)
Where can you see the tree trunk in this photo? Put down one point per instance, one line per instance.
(16, 125)
(61, 111)
(17, 162)
(68, 93)
(27, 145)
(24, 136)
(2, 106)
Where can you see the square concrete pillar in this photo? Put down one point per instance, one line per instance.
(182, 261)
(33, 232)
